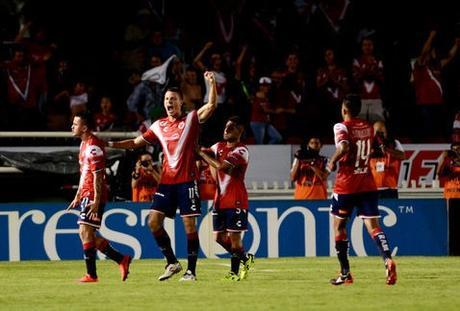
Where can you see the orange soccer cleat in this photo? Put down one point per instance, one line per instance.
(124, 267)
(88, 279)
(391, 272)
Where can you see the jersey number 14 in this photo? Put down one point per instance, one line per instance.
(363, 149)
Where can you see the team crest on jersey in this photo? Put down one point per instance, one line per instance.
(95, 151)
(181, 125)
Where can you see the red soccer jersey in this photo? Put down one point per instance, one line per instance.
(354, 175)
(427, 84)
(258, 107)
(179, 140)
(231, 190)
(370, 75)
(333, 81)
(92, 159)
(104, 122)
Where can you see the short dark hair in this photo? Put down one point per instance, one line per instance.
(237, 120)
(87, 118)
(353, 103)
(175, 89)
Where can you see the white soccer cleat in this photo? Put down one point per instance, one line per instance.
(188, 276)
(170, 270)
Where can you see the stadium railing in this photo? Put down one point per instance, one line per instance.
(282, 189)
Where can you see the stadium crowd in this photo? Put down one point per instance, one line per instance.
(284, 67)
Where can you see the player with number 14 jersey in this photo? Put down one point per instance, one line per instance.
(353, 175)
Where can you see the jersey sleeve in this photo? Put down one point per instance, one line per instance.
(195, 119)
(150, 137)
(340, 134)
(96, 159)
(213, 149)
(239, 156)
(398, 146)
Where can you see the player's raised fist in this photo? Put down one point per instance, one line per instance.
(209, 76)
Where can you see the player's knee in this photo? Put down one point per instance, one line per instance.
(154, 223)
(219, 238)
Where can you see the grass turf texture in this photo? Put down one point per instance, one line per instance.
(425, 283)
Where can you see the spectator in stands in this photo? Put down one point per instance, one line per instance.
(223, 110)
(155, 61)
(144, 178)
(105, 119)
(24, 87)
(309, 172)
(135, 36)
(429, 92)
(79, 98)
(449, 175)
(261, 111)
(146, 101)
(385, 162)
(39, 50)
(288, 96)
(368, 78)
(246, 84)
(158, 46)
(332, 84)
(60, 81)
(191, 89)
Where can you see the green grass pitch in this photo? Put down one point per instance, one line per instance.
(424, 283)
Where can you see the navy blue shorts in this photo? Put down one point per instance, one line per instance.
(365, 202)
(184, 195)
(91, 219)
(230, 219)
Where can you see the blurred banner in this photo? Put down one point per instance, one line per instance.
(277, 228)
(57, 162)
(419, 167)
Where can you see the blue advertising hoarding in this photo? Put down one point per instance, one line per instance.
(277, 228)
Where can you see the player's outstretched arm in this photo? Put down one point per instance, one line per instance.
(128, 143)
(205, 112)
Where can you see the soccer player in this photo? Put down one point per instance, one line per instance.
(91, 197)
(178, 135)
(230, 214)
(355, 187)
